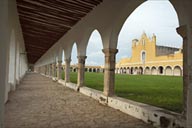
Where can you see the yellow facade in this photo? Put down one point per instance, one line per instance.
(148, 58)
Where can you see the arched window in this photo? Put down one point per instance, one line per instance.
(143, 56)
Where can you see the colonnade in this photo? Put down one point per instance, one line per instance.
(109, 26)
(154, 70)
(109, 72)
(56, 68)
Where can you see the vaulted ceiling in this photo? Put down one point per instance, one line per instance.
(43, 22)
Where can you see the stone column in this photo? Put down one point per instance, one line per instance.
(53, 69)
(59, 70)
(50, 70)
(81, 71)
(47, 70)
(185, 32)
(109, 73)
(67, 70)
(45, 67)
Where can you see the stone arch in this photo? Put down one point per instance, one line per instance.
(147, 71)
(94, 70)
(94, 46)
(131, 70)
(154, 70)
(124, 70)
(121, 70)
(128, 70)
(136, 70)
(177, 71)
(74, 69)
(122, 15)
(74, 54)
(90, 70)
(160, 70)
(140, 71)
(168, 71)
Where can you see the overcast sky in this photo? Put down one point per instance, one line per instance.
(154, 16)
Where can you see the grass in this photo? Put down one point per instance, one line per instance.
(160, 91)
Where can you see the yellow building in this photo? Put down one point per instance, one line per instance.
(148, 58)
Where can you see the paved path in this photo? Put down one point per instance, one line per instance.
(41, 103)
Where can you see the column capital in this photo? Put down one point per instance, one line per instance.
(182, 30)
(108, 51)
(81, 59)
(67, 60)
(59, 61)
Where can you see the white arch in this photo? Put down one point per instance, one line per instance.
(94, 49)
(154, 70)
(74, 55)
(177, 71)
(160, 70)
(147, 71)
(168, 71)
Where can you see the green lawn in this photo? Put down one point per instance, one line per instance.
(161, 91)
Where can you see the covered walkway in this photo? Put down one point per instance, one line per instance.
(38, 35)
(39, 102)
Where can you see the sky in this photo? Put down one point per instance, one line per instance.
(152, 17)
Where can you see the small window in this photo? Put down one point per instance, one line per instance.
(143, 56)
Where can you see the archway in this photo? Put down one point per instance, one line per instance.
(147, 71)
(160, 70)
(135, 70)
(131, 71)
(150, 18)
(95, 57)
(124, 70)
(153, 71)
(168, 71)
(74, 63)
(177, 71)
(140, 71)
(74, 69)
(128, 70)
(74, 60)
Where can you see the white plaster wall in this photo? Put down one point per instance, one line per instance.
(4, 45)
(9, 23)
(12, 60)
